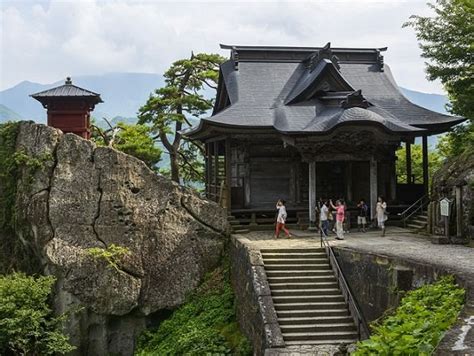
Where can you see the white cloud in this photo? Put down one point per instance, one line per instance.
(46, 40)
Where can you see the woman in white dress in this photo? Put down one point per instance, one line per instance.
(381, 210)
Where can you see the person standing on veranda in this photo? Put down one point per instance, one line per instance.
(324, 218)
(340, 212)
(381, 211)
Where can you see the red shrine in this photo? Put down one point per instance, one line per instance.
(69, 107)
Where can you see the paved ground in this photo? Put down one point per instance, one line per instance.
(397, 242)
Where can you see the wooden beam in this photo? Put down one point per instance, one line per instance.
(408, 161)
(425, 165)
(348, 179)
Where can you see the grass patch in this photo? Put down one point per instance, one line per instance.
(417, 325)
(205, 324)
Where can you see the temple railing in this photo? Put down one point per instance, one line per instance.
(363, 331)
(415, 208)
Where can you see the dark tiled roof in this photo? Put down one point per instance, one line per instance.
(265, 86)
(67, 90)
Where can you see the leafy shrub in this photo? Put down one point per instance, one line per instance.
(27, 324)
(113, 254)
(204, 325)
(418, 323)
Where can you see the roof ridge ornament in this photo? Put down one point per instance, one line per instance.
(323, 53)
(68, 81)
(355, 100)
(380, 59)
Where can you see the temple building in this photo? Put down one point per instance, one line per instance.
(300, 123)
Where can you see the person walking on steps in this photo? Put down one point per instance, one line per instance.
(281, 219)
(362, 215)
(381, 211)
(340, 211)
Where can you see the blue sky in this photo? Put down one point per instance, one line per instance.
(44, 41)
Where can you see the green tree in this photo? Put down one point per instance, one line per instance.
(27, 324)
(434, 159)
(135, 140)
(171, 108)
(447, 41)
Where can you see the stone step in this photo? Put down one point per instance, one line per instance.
(292, 286)
(294, 255)
(331, 335)
(234, 222)
(308, 292)
(421, 217)
(321, 320)
(294, 261)
(309, 306)
(241, 231)
(294, 299)
(321, 342)
(416, 226)
(292, 250)
(300, 273)
(310, 328)
(313, 313)
(418, 222)
(301, 279)
(297, 267)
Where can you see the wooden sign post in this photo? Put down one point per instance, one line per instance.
(445, 210)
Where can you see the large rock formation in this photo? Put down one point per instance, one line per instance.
(84, 197)
(455, 172)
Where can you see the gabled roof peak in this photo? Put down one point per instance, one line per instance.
(323, 53)
(355, 99)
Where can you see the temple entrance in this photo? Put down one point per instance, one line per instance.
(343, 179)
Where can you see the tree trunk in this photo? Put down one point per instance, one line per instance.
(174, 166)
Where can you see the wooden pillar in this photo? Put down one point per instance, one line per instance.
(408, 161)
(459, 212)
(348, 179)
(373, 186)
(208, 170)
(216, 171)
(393, 181)
(312, 192)
(425, 165)
(228, 174)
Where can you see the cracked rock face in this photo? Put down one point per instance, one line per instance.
(92, 197)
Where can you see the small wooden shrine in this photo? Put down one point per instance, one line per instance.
(69, 107)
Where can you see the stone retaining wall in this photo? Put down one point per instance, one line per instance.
(255, 311)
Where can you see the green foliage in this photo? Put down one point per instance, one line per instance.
(169, 110)
(113, 254)
(8, 175)
(204, 325)
(434, 158)
(418, 323)
(459, 140)
(27, 324)
(134, 140)
(447, 41)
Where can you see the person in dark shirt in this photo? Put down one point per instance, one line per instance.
(362, 215)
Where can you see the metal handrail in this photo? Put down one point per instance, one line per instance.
(414, 208)
(361, 323)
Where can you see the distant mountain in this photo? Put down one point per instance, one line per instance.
(122, 93)
(434, 102)
(6, 114)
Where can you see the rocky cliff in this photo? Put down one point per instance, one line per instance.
(152, 240)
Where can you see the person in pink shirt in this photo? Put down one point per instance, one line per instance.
(340, 212)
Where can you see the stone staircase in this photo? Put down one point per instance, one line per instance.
(309, 304)
(418, 222)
